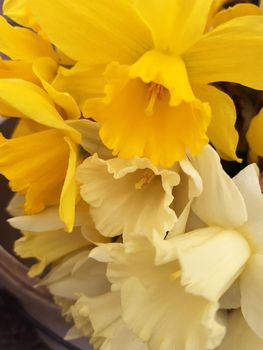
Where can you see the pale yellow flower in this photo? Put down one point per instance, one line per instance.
(227, 246)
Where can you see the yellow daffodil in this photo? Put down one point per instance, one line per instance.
(158, 102)
(40, 165)
(226, 247)
(254, 134)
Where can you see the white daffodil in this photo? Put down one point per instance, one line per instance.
(80, 284)
(45, 239)
(136, 196)
(155, 306)
(229, 246)
(239, 336)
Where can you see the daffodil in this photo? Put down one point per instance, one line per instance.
(40, 165)
(32, 57)
(159, 103)
(45, 239)
(225, 250)
(254, 134)
(135, 196)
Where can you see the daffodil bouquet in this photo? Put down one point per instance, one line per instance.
(125, 111)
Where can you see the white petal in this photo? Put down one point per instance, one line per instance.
(221, 203)
(15, 206)
(239, 336)
(169, 318)
(117, 206)
(211, 259)
(251, 286)
(48, 220)
(79, 274)
(248, 184)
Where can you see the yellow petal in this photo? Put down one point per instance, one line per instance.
(254, 134)
(82, 81)
(175, 25)
(46, 69)
(104, 30)
(19, 12)
(223, 54)
(221, 130)
(28, 100)
(163, 135)
(17, 69)
(36, 166)
(48, 247)
(22, 43)
(168, 71)
(69, 190)
(236, 11)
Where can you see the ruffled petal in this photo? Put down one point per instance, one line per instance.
(251, 286)
(239, 335)
(222, 54)
(100, 34)
(211, 259)
(221, 130)
(162, 133)
(128, 196)
(17, 69)
(170, 318)
(175, 25)
(221, 203)
(39, 178)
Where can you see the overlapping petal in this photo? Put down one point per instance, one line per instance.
(222, 54)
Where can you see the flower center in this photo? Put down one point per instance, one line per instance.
(154, 91)
(146, 179)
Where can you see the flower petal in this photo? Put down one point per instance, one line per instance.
(251, 286)
(100, 34)
(163, 137)
(28, 100)
(48, 247)
(222, 54)
(211, 259)
(221, 130)
(254, 136)
(173, 320)
(22, 43)
(40, 179)
(82, 81)
(239, 335)
(218, 203)
(45, 69)
(17, 69)
(175, 25)
(69, 189)
(248, 184)
(117, 205)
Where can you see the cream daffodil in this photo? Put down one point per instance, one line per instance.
(40, 165)
(45, 239)
(136, 196)
(228, 248)
(159, 103)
